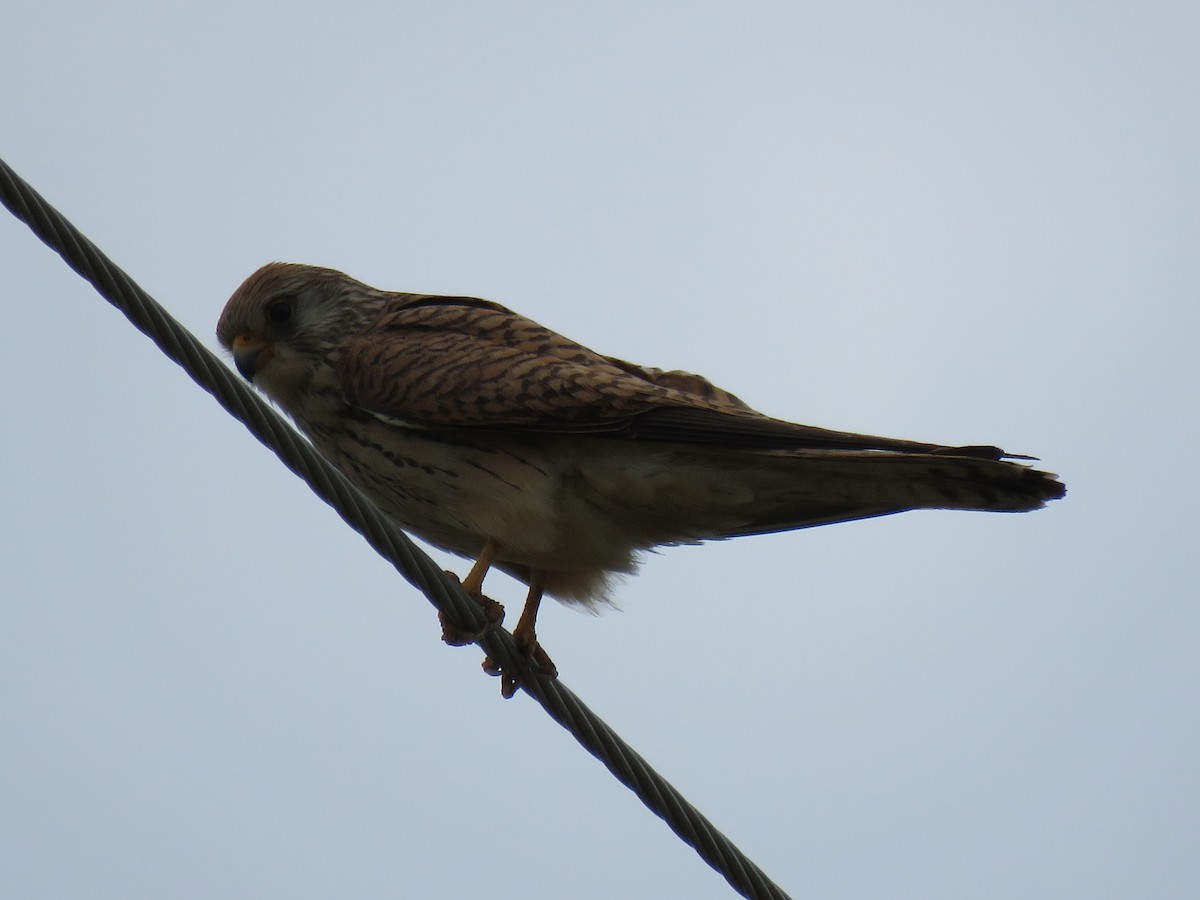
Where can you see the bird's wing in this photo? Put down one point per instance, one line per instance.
(464, 363)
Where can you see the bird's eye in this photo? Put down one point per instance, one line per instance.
(279, 311)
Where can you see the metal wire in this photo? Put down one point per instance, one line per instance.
(381, 533)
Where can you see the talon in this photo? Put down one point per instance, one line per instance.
(524, 634)
(453, 635)
(542, 661)
(508, 686)
(510, 683)
(493, 612)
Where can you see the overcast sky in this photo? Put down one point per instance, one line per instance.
(958, 222)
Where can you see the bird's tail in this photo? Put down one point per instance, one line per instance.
(800, 489)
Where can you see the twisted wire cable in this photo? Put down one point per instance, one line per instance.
(444, 592)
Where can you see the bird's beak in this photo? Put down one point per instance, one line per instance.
(250, 354)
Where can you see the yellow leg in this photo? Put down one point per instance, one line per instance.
(474, 580)
(526, 631)
(525, 634)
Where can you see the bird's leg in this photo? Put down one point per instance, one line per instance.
(474, 580)
(525, 635)
(473, 584)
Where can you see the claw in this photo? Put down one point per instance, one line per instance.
(524, 634)
(459, 637)
(473, 584)
(527, 643)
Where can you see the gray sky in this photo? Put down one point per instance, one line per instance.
(950, 222)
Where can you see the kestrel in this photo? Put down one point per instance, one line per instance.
(492, 437)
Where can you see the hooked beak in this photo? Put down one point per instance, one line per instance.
(250, 354)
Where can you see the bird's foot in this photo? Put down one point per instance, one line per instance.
(460, 637)
(539, 660)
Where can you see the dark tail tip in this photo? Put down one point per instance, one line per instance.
(1052, 488)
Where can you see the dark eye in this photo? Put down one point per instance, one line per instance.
(280, 311)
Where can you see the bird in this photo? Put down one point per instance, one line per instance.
(493, 437)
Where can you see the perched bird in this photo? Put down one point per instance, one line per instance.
(492, 437)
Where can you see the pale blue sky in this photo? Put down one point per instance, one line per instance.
(943, 221)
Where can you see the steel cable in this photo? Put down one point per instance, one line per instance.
(444, 592)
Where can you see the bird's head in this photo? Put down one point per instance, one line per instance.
(286, 321)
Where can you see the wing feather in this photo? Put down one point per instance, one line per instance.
(466, 363)
(463, 363)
